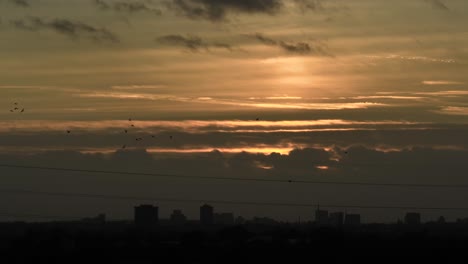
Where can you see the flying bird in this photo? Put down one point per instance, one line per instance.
(68, 131)
(22, 110)
(126, 131)
(258, 119)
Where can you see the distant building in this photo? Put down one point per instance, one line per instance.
(146, 216)
(264, 221)
(240, 220)
(206, 215)
(321, 217)
(224, 219)
(100, 219)
(441, 220)
(178, 218)
(352, 220)
(413, 218)
(336, 219)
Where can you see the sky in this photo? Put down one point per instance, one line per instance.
(297, 90)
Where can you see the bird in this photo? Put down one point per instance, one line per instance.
(129, 119)
(126, 131)
(68, 131)
(132, 125)
(170, 137)
(153, 136)
(11, 110)
(16, 103)
(257, 119)
(22, 110)
(124, 146)
(290, 181)
(346, 152)
(16, 108)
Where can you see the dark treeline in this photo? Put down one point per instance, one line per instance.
(123, 242)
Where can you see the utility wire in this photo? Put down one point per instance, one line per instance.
(290, 181)
(230, 202)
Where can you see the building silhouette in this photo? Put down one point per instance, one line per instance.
(146, 216)
(441, 220)
(206, 215)
(413, 218)
(178, 218)
(99, 219)
(264, 221)
(224, 219)
(321, 217)
(352, 220)
(336, 219)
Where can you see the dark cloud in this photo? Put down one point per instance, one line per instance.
(192, 43)
(72, 29)
(317, 48)
(23, 3)
(126, 6)
(217, 10)
(313, 5)
(438, 4)
(417, 165)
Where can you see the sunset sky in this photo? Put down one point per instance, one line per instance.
(326, 90)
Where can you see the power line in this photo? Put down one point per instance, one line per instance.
(39, 216)
(290, 181)
(229, 202)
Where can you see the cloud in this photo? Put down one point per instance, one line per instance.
(217, 10)
(454, 110)
(441, 83)
(313, 5)
(128, 6)
(237, 103)
(438, 4)
(411, 58)
(318, 48)
(193, 43)
(361, 164)
(72, 29)
(22, 3)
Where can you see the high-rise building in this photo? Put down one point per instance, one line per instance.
(336, 219)
(146, 216)
(178, 218)
(206, 215)
(352, 220)
(412, 218)
(321, 217)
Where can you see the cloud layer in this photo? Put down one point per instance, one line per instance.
(71, 29)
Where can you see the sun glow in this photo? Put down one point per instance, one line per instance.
(289, 71)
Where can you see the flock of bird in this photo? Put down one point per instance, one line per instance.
(126, 131)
